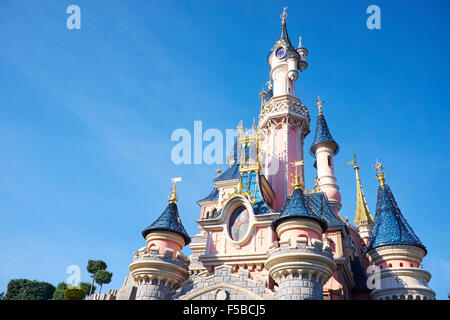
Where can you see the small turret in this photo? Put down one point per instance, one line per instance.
(299, 263)
(163, 268)
(324, 148)
(396, 250)
(285, 61)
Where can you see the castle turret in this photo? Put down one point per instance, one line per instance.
(284, 120)
(397, 251)
(363, 218)
(161, 270)
(299, 263)
(324, 148)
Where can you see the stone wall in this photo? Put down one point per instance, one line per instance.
(223, 284)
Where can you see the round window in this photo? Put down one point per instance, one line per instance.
(239, 222)
(280, 52)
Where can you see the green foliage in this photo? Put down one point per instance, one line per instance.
(87, 287)
(103, 276)
(62, 286)
(95, 265)
(2, 295)
(23, 289)
(74, 294)
(59, 292)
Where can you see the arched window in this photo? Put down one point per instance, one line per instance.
(390, 265)
(213, 212)
(401, 264)
(330, 161)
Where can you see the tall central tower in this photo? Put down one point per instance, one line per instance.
(284, 120)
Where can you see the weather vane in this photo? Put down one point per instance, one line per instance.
(173, 194)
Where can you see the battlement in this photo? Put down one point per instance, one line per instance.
(169, 256)
(300, 246)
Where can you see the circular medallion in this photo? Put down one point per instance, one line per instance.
(239, 222)
(280, 53)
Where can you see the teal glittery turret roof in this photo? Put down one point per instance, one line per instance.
(169, 220)
(390, 227)
(295, 206)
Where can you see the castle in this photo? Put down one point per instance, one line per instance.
(263, 236)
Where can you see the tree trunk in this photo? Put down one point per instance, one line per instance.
(92, 284)
(101, 284)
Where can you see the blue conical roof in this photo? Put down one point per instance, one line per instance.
(323, 135)
(295, 207)
(169, 220)
(284, 36)
(390, 227)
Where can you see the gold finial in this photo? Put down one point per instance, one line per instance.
(319, 104)
(269, 85)
(173, 194)
(284, 15)
(218, 171)
(381, 176)
(297, 182)
(300, 41)
(262, 94)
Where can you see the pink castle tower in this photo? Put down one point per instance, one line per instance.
(284, 120)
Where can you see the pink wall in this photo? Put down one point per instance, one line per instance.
(298, 233)
(163, 244)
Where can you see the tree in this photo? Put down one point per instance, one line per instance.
(74, 293)
(24, 289)
(87, 287)
(101, 277)
(93, 267)
(2, 295)
(59, 292)
(62, 286)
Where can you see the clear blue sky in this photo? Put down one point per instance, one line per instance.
(86, 115)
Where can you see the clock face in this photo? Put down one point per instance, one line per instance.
(280, 52)
(239, 223)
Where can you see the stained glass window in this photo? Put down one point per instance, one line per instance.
(239, 223)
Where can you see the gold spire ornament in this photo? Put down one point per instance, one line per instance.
(381, 176)
(300, 41)
(284, 15)
(173, 195)
(362, 210)
(319, 104)
(298, 184)
(269, 85)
